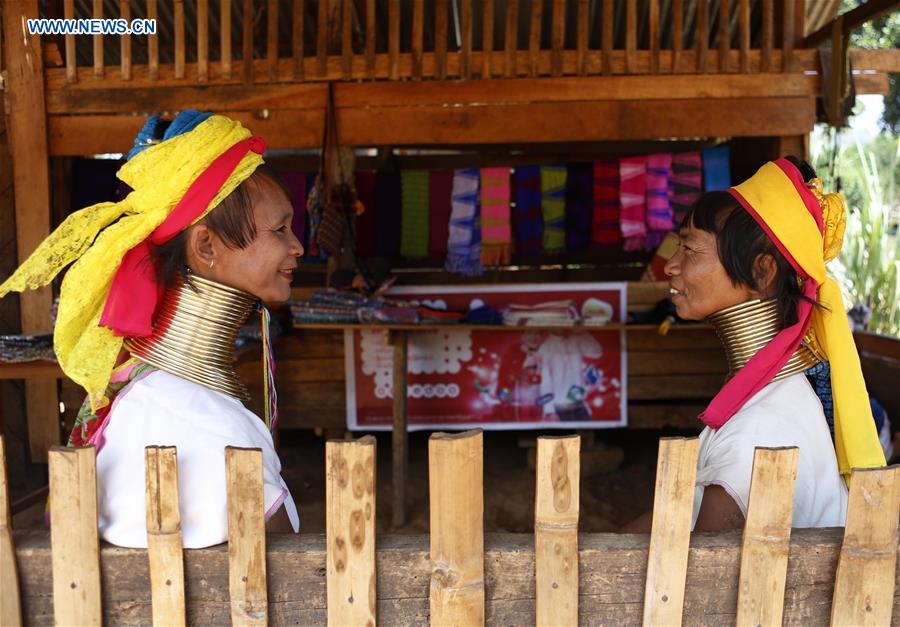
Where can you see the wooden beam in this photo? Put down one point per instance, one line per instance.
(399, 436)
(612, 573)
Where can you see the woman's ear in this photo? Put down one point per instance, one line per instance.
(201, 251)
(764, 271)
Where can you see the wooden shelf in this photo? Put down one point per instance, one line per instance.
(31, 370)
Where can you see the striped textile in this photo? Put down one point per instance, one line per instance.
(414, 206)
(553, 207)
(607, 208)
(496, 233)
(527, 221)
(687, 182)
(464, 239)
(632, 196)
(579, 205)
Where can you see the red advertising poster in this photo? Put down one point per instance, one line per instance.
(514, 377)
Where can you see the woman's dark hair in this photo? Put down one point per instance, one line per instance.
(740, 240)
(232, 220)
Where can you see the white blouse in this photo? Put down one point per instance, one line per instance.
(161, 409)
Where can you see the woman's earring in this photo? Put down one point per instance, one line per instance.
(211, 263)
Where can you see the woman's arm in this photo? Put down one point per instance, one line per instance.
(718, 511)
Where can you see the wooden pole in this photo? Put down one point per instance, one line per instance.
(864, 583)
(673, 500)
(297, 38)
(225, 37)
(455, 476)
(202, 40)
(556, 530)
(511, 38)
(246, 536)
(71, 57)
(98, 40)
(10, 603)
(767, 537)
(418, 32)
(152, 43)
(272, 39)
(399, 437)
(125, 50)
(440, 39)
(179, 38)
(350, 530)
(164, 541)
(74, 536)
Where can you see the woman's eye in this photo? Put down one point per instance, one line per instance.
(282, 228)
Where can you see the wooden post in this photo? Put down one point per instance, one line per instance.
(27, 128)
(370, 38)
(225, 37)
(744, 30)
(455, 476)
(511, 38)
(487, 40)
(246, 536)
(346, 39)
(179, 38)
(583, 23)
(399, 437)
(556, 509)
(272, 39)
(767, 537)
(74, 536)
(631, 37)
(418, 33)
(297, 38)
(394, 40)
(465, 30)
(98, 40)
(202, 40)
(768, 14)
(864, 583)
(534, 38)
(152, 44)
(724, 37)
(164, 542)
(558, 36)
(653, 35)
(673, 500)
(71, 58)
(607, 35)
(440, 39)
(10, 604)
(125, 50)
(350, 530)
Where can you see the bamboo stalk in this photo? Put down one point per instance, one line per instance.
(125, 50)
(673, 501)
(744, 26)
(703, 36)
(225, 36)
(631, 37)
(74, 542)
(179, 38)
(394, 40)
(724, 35)
(556, 530)
(455, 476)
(98, 41)
(607, 36)
(272, 39)
(511, 37)
(583, 33)
(202, 40)
(864, 582)
(10, 603)
(347, 38)
(767, 537)
(534, 38)
(370, 38)
(465, 26)
(487, 40)
(440, 39)
(246, 536)
(71, 59)
(418, 35)
(558, 37)
(350, 531)
(297, 38)
(677, 34)
(164, 540)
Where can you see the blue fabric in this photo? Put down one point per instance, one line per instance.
(716, 169)
(820, 379)
(484, 315)
(157, 130)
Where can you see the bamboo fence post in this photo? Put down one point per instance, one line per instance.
(225, 37)
(455, 480)
(10, 603)
(246, 536)
(556, 510)
(864, 583)
(74, 543)
(767, 537)
(673, 501)
(350, 531)
(164, 540)
(71, 59)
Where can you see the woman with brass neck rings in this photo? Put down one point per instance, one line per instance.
(751, 261)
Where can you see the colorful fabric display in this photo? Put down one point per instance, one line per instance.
(553, 207)
(365, 222)
(687, 182)
(659, 205)
(414, 224)
(607, 208)
(527, 221)
(579, 205)
(464, 239)
(388, 211)
(716, 169)
(496, 233)
(440, 188)
(632, 196)
(296, 185)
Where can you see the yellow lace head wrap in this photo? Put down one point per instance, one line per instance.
(98, 237)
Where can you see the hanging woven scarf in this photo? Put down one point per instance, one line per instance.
(579, 205)
(387, 208)
(414, 223)
(716, 169)
(607, 209)
(496, 233)
(660, 217)
(687, 179)
(632, 196)
(553, 207)
(365, 222)
(527, 221)
(464, 239)
(440, 189)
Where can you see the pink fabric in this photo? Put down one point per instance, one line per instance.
(135, 292)
(659, 202)
(97, 438)
(632, 196)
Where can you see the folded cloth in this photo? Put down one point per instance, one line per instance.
(485, 314)
(388, 214)
(440, 189)
(438, 316)
(687, 182)
(607, 208)
(414, 224)
(716, 168)
(551, 313)
(632, 196)
(464, 239)
(296, 185)
(553, 207)
(496, 233)
(365, 222)
(307, 312)
(579, 205)
(527, 221)
(389, 315)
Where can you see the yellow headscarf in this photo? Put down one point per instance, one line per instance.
(808, 229)
(98, 237)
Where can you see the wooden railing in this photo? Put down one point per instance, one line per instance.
(276, 41)
(455, 576)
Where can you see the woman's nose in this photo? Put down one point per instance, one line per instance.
(672, 266)
(297, 250)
